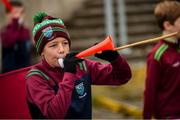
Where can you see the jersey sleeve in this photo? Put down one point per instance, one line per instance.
(51, 104)
(151, 86)
(115, 73)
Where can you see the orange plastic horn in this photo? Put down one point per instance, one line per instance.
(107, 44)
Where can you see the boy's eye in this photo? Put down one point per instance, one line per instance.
(65, 43)
(53, 45)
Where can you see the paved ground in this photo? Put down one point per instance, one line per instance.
(131, 93)
(102, 113)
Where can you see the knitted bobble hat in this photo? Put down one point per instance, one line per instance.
(47, 28)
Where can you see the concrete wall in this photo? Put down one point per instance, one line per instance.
(58, 8)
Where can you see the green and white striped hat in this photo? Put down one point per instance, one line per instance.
(47, 28)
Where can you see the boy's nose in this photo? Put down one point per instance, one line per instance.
(61, 49)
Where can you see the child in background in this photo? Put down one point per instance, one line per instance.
(162, 89)
(15, 39)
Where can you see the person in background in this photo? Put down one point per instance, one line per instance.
(15, 39)
(60, 85)
(162, 96)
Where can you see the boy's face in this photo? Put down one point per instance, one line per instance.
(173, 27)
(55, 49)
(177, 26)
(16, 13)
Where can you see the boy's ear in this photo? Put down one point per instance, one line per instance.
(167, 25)
(42, 54)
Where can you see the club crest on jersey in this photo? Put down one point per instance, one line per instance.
(48, 32)
(80, 88)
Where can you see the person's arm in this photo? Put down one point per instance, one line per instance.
(25, 34)
(42, 95)
(117, 72)
(151, 85)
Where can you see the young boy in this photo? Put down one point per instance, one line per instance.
(162, 90)
(65, 92)
(15, 38)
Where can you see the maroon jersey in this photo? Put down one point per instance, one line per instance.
(55, 94)
(162, 89)
(13, 33)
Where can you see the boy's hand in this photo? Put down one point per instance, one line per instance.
(108, 55)
(70, 62)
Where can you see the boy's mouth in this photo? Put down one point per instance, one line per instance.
(60, 57)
